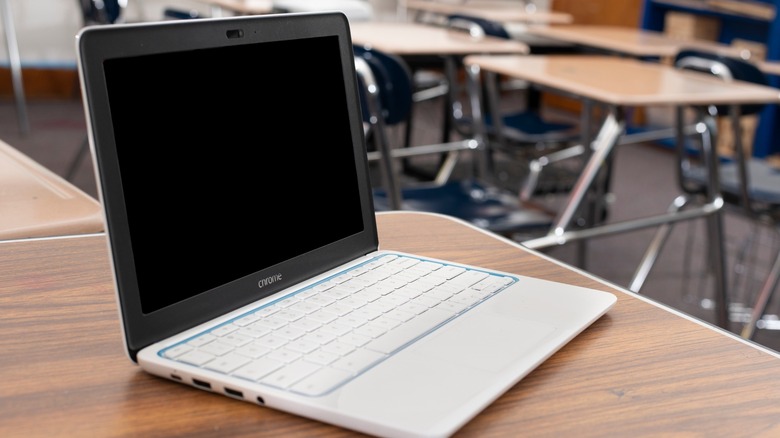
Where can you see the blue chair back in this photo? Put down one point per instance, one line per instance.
(395, 84)
(489, 27)
(725, 67)
(101, 12)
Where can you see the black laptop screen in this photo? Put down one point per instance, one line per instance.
(232, 160)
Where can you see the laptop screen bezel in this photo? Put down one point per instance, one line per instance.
(98, 43)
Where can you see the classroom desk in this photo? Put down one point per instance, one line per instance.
(627, 40)
(502, 11)
(641, 43)
(619, 84)
(415, 39)
(36, 202)
(641, 370)
(410, 40)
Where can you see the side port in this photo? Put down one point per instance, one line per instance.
(201, 383)
(233, 392)
(260, 400)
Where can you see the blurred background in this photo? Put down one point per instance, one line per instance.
(45, 31)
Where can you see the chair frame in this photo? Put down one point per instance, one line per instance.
(716, 66)
(504, 213)
(389, 169)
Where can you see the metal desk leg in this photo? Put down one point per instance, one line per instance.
(611, 130)
(473, 84)
(713, 215)
(715, 221)
(663, 231)
(16, 66)
(586, 138)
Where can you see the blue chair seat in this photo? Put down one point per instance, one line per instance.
(532, 123)
(764, 183)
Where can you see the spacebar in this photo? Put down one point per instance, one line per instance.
(409, 331)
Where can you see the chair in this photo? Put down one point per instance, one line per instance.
(525, 135)
(749, 185)
(526, 126)
(386, 98)
(175, 13)
(101, 11)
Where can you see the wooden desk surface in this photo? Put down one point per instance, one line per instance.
(502, 11)
(36, 202)
(627, 40)
(404, 38)
(624, 81)
(770, 67)
(640, 370)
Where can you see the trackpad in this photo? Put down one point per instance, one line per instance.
(490, 347)
(465, 364)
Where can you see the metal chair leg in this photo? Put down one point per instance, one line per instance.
(748, 331)
(16, 66)
(656, 245)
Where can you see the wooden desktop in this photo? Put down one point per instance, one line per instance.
(501, 10)
(409, 39)
(36, 202)
(641, 370)
(627, 40)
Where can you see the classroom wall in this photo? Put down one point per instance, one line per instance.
(45, 29)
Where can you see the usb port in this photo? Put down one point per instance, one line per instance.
(201, 383)
(234, 393)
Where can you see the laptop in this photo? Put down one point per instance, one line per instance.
(232, 170)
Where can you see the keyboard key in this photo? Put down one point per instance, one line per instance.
(201, 340)
(257, 369)
(321, 357)
(289, 374)
(178, 350)
(196, 357)
(224, 330)
(405, 333)
(339, 348)
(321, 381)
(217, 348)
(253, 350)
(358, 361)
(236, 339)
(284, 355)
(227, 363)
(271, 341)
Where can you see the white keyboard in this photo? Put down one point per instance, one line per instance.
(317, 339)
